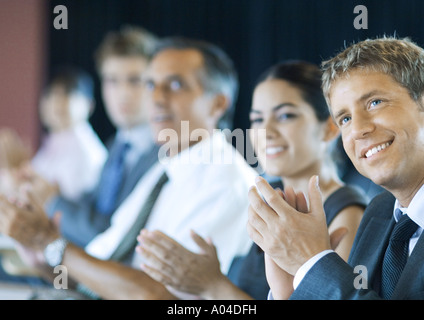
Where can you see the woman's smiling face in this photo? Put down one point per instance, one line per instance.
(294, 136)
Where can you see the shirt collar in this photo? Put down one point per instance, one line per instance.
(139, 137)
(415, 209)
(202, 153)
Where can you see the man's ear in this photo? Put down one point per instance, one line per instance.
(421, 102)
(220, 104)
(331, 130)
(92, 107)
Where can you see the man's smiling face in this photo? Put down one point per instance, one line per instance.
(381, 127)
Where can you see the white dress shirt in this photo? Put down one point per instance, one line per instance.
(141, 140)
(415, 212)
(202, 194)
(73, 159)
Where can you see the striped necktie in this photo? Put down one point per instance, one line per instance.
(129, 242)
(396, 254)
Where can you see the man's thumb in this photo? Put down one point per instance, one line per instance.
(315, 197)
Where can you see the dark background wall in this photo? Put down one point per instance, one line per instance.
(255, 33)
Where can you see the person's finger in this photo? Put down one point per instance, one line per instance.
(290, 196)
(260, 206)
(154, 258)
(256, 221)
(280, 192)
(276, 206)
(265, 189)
(152, 247)
(301, 203)
(8, 211)
(337, 236)
(252, 231)
(7, 206)
(161, 239)
(156, 274)
(205, 246)
(315, 197)
(33, 201)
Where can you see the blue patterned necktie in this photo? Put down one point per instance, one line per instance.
(111, 183)
(396, 254)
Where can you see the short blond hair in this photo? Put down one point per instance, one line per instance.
(401, 59)
(129, 41)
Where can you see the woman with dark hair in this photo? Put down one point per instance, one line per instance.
(289, 104)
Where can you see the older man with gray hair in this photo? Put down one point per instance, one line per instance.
(187, 81)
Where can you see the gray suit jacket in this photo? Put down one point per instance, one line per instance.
(332, 278)
(80, 221)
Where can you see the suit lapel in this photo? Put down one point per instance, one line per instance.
(373, 236)
(373, 245)
(412, 275)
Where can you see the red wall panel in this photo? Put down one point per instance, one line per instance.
(22, 65)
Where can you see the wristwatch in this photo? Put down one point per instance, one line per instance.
(53, 253)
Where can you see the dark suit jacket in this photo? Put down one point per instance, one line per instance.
(332, 278)
(80, 221)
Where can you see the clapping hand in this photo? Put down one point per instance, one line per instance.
(168, 262)
(13, 151)
(288, 231)
(24, 220)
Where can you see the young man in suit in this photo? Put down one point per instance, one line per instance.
(190, 87)
(375, 92)
(121, 59)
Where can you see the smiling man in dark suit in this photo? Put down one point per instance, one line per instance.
(375, 92)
